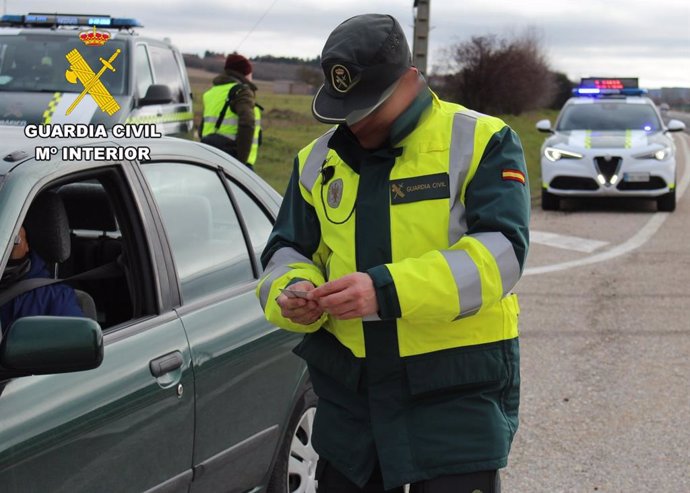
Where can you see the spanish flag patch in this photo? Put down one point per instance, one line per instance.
(514, 175)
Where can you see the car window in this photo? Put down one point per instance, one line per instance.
(37, 63)
(259, 226)
(204, 232)
(613, 115)
(166, 70)
(80, 227)
(142, 70)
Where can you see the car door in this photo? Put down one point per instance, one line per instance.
(125, 426)
(160, 64)
(246, 376)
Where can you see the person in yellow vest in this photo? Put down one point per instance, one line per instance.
(231, 118)
(402, 234)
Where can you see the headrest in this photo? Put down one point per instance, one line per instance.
(88, 207)
(47, 227)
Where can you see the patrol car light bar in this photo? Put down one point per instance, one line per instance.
(597, 86)
(594, 91)
(53, 20)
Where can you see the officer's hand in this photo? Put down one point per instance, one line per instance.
(351, 296)
(299, 310)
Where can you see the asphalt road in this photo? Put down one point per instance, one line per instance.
(605, 339)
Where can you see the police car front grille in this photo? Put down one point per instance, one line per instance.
(607, 167)
(573, 183)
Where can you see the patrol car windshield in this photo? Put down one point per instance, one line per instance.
(38, 63)
(609, 115)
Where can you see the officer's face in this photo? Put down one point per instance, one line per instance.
(372, 130)
(21, 246)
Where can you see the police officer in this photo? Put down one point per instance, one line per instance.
(406, 227)
(231, 118)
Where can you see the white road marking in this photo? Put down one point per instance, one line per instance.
(640, 238)
(566, 242)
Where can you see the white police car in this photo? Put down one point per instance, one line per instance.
(609, 141)
(90, 69)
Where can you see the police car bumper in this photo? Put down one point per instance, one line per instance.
(615, 177)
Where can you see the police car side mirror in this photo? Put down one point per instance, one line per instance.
(544, 126)
(675, 126)
(157, 94)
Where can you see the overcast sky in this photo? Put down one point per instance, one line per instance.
(633, 38)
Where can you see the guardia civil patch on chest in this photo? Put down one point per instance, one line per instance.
(416, 188)
(335, 193)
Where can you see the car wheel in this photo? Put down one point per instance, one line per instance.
(549, 202)
(295, 468)
(667, 202)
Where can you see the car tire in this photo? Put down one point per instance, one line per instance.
(667, 202)
(295, 467)
(549, 202)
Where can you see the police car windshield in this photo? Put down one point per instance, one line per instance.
(38, 63)
(609, 115)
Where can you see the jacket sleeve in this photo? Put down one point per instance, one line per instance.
(243, 106)
(486, 263)
(294, 252)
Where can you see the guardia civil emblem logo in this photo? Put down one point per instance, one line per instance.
(340, 78)
(335, 193)
(80, 71)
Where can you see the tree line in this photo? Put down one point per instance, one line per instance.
(486, 73)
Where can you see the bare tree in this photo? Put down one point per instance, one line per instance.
(500, 76)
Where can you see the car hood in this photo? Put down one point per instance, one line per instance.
(610, 139)
(22, 108)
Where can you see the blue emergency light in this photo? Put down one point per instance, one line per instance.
(56, 20)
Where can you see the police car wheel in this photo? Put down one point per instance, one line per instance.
(549, 202)
(667, 202)
(295, 467)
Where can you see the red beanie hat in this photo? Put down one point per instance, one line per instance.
(238, 63)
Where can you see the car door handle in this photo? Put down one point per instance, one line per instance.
(166, 364)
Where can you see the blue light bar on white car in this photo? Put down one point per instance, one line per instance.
(54, 20)
(593, 91)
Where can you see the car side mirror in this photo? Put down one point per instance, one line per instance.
(675, 126)
(157, 94)
(44, 345)
(544, 126)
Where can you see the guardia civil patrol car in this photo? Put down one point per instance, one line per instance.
(609, 141)
(57, 69)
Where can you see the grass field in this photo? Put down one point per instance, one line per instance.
(288, 126)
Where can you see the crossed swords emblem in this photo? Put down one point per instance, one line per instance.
(80, 70)
(397, 191)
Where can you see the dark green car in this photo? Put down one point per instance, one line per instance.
(173, 381)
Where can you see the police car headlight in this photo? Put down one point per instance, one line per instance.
(553, 154)
(659, 154)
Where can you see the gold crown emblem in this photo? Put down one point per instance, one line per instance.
(94, 38)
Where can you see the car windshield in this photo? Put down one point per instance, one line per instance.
(38, 63)
(610, 115)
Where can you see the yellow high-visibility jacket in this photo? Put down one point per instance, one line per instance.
(438, 219)
(214, 101)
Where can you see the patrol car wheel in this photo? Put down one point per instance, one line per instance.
(549, 202)
(295, 468)
(667, 202)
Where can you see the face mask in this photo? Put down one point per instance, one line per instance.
(15, 270)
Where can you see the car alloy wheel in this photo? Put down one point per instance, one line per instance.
(301, 475)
